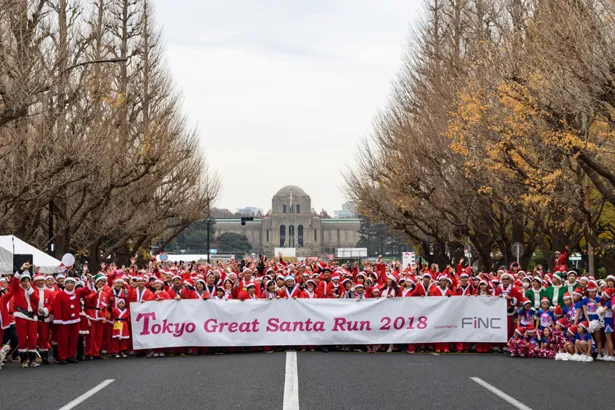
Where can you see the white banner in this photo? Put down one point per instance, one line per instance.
(194, 323)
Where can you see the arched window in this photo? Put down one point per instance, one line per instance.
(300, 235)
(282, 236)
(291, 236)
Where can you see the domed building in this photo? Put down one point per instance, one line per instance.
(292, 225)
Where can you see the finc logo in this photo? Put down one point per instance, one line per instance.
(481, 323)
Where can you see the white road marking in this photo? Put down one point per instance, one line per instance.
(501, 394)
(435, 354)
(291, 383)
(87, 395)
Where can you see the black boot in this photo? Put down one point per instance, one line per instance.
(55, 353)
(23, 356)
(80, 348)
(32, 360)
(45, 357)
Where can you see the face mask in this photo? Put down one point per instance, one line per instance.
(526, 285)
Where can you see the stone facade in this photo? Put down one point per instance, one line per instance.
(292, 225)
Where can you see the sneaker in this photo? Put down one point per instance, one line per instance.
(588, 359)
(514, 355)
(156, 355)
(150, 354)
(161, 355)
(599, 357)
(117, 356)
(521, 355)
(33, 364)
(124, 355)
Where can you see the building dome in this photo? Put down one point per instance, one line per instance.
(286, 191)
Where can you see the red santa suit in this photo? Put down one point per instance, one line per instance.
(96, 306)
(5, 319)
(294, 292)
(137, 295)
(26, 319)
(66, 308)
(515, 296)
(436, 290)
(121, 330)
(45, 304)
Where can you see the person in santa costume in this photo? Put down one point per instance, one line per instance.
(66, 307)
(561, 260)
(512, 294)
(555, 291)
(441, 289)
(249, 293)
(45, 311)
(536, 292)
(422, 287)
(291, 289)
(25, 300)
(270, 293)
(121, 330)
(310, 290)
(140, 293)
(96, 307)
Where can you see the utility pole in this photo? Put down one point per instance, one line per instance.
(208, 221)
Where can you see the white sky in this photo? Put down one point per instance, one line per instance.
(283, 91)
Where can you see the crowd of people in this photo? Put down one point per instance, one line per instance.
(76, 315)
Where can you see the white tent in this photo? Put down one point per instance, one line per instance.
(46, 263)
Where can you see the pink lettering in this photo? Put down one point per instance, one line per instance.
(338, 325)
(146, 318)
(190, 327)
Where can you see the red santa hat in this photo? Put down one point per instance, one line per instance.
(578, 292)
(250, 285)
(592, 287)
(444, 277)
(545, 299)
(531, 328)
(346, 280)
(70, 279)
(375, 289)
(506, 274)
(38, 276)
(537, 279)
(159, 281)
(584, 325)
(562, 322)
(141, 277)
(464, 275)
(427, 275)
(310, 281)
(176, 277)
(359, 285)
(573, 330)
(558, 310)
(567, 296)
(200, 280)
(611, 277)
(520, 331)
(335, 277)
(525, 301)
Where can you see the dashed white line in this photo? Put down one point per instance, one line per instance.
(501, 394)
(291, 383)
(87, 395)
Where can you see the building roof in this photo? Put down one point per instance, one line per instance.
(286, 191)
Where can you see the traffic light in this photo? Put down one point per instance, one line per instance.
(246, 218)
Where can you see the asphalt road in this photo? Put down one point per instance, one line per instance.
(325, 381)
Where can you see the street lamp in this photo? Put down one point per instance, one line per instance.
(50, 244)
